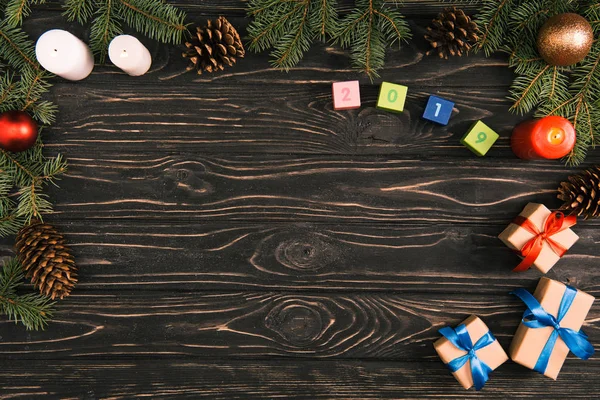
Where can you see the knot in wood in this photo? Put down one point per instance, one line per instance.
(297, 322)
(310, 253)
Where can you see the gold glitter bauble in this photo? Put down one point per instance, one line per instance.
(565, 39)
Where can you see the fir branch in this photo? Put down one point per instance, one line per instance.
(79, 10)
(289, 27)
(368, 31)
(16, 49)
(33, 310)
(17, 10)
(152, 18)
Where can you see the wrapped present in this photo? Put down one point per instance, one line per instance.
(550, 327)
(470, 351)
(540, 236)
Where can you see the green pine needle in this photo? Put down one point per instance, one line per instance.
(152, 18)
(289, 27)
(16, 10)
(571, 92)
(33, 310)
(368, 31)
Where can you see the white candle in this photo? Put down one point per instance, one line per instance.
(129, 54)
(65, 55)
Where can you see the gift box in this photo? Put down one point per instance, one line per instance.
(540, 236)
(470, 351)
(550, 327)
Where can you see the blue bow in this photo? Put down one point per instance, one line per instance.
(461, 339)
(536, 317)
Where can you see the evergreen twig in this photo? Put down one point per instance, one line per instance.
(290, 27)
(33, 310)
(152, 18)
(571, 92)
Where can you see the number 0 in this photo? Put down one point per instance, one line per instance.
(438, 107)
(392, 96)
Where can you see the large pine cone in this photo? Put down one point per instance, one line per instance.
(46, 260)
(581, 193)
(451, 33)
(214, 46)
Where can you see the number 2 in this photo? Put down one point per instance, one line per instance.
(438, 107)
(346, 93)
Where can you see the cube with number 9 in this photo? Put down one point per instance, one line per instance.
(346, 95)
(392, 97)
(438, 110)
(480, 138)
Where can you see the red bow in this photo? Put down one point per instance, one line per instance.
(556, 222)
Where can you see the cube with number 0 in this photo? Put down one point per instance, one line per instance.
(438, 110)
(392, 97)
(346, 95)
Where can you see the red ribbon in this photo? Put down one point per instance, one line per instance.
(556, 222)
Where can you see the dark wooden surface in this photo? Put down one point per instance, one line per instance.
(237, 238)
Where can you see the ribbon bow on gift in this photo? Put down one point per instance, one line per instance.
(556, 222)
(461, 339)
(536, 317)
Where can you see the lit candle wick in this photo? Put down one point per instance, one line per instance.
(124, 54)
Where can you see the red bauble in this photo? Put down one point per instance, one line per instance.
(18, 131)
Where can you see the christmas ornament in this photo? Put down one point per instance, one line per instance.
(46, 259)
(581, 193)
(565, 39)
(214, 47)
(451, 33)
(18, 131)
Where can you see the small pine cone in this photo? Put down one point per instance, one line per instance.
(46, 260)
(213, 47)
(581, 193)
(452, 33)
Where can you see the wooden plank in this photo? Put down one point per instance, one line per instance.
(332, 189)
(271, 379)
(215, 325)
(175, 255)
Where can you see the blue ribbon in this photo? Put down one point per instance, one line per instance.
(536, 317)
(460, 338)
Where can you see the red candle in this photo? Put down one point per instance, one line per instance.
(550, 137)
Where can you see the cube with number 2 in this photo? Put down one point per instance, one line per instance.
(438, 110)
(346, 95)
(480, 138)
(392, 97)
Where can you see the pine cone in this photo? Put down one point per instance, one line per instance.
(214, 47)
(46, 260)
(581, 193)
(451, 33)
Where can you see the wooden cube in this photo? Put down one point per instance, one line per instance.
(346, 95)
(392, 97)
(480, 138)
(438, 110)
(528, 343)
(515, 236)
(493, 355)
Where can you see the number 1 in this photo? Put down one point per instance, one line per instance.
(438, 107)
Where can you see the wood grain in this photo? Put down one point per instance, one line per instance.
(237, 238)
(273, 379)
(333, 189)
(154, 324)
(306, 257)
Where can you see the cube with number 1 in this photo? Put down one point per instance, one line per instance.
(346, 95)
(438, 110)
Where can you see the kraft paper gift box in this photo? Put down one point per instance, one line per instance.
(553, 237)
(491, 354)
(530, 342)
